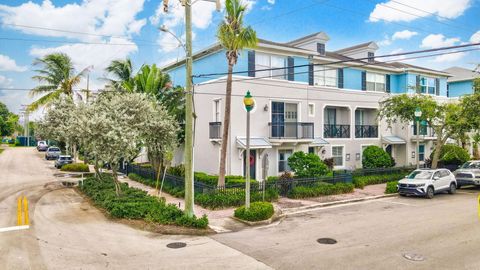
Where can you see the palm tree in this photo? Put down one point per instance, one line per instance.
(123, 73)
(59, 76)
(234, 37)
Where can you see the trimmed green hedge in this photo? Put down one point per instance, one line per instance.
(361, 181)
(136, 204)
(391, 187)
(178, 192)
(229, 198)
(320, 189)
(75, 167)
(258, 211)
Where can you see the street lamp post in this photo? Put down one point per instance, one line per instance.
(418, 114)
(249, 103)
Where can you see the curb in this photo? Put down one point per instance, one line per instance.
(292, 211)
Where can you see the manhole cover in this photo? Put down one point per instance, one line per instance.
(177, 245)
(414, 257)
(327, 241)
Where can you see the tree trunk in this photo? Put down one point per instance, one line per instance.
(97, 171)
(226, 127)
(118, 189)
(475, 150)
(436, 154)
(74, 153)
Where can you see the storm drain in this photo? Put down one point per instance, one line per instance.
(413, 257)
(177, 245)
(326, 241)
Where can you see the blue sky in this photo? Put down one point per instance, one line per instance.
(130, 29)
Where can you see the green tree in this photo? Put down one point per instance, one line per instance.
(451, 154)
(375, 157)
(59, 77)
(476, 142)
(444, 118)
(122, 72)
(307, 165)
(234, 37)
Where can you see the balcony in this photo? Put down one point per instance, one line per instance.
(336, 131)
(293, 130)
(366, 131)
(425, 131)
(215, 131)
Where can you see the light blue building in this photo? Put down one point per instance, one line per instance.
(461, 81)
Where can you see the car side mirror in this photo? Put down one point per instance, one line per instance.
(436, 178)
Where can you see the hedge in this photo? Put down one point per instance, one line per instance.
(391, 187)
(178, 192)
(136, 204)
(75, 167)
(375, 157)
(258, 211)
(320, 189)
(362, 181)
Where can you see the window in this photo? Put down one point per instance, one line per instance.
(311, 150)
(283, 156)
(321, 48)
(325, 76)
(216, 110)
(375, 82)
(427, 85)
(371, 57)
(337, 155)
(265, 61)
(311, 109)
(331, 116)
(421, 152)
(359, 117)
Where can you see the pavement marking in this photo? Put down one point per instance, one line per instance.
(219, 229)
(14, 228)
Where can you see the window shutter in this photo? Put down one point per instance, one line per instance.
(310, 74)
(251, 63)
(387, 83)
(340, 77)
(437, 86)
(290, 68)
(364, 80)
(418, 90)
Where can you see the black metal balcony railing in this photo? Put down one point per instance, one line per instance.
(294, 130)
(215, 131)
(424, 131)
(336, 131)
(366, 131)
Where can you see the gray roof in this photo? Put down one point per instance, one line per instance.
(461, 74)
(358, 46)
(255, 143)
(393, 140)
(319, 142)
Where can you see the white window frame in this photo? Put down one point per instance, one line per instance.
(273, 74)
(278, 158)
(427, 85)
(343, 156)
(379, 78)
(320, 74)
(311, 109)
(217, 115)
(424, 151)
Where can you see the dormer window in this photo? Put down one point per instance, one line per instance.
(321, 48)
(371, 57)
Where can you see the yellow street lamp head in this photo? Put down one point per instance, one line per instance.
(248, 101)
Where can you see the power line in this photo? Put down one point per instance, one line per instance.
(79, 42)
(342, 61)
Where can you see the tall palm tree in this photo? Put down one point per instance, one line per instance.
(123, 75)
(59, 76)
(234, 37)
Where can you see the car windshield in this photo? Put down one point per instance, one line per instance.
(65, 158)
(471, 165)
(54, 149)
(420, 175)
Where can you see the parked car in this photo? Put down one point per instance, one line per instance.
(42, 146)
(52, 153)
(62, 160)
(468, 174)
(427, 182)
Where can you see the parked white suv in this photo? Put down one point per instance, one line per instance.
(427, 182)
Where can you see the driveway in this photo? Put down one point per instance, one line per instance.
(67, 233)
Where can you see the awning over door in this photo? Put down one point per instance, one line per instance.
(319, 142)
(255, 143)
(393, 140)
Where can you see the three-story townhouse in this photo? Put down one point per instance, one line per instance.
(307, 99)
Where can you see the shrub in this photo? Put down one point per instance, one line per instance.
(177, 170)
(75, 167)
(391, 187)
(232, 197)
(307, 165)
(258, 211)
(329, 162)
(136, 204)
(320, 189)
(175, 191)
(375, 157)
(451, 154)
(360, 181)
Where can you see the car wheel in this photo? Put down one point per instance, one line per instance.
(403, 195)
(430, 193)
(452, 189)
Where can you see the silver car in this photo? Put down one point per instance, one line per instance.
(52, 153)
(468, 174)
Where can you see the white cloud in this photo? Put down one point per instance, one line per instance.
(405, 34)
(271, 2)
(8, 64)
(438, 40)
(5, 82)
(449, 57)
(475, 38)
(392, 11)
(102, 17)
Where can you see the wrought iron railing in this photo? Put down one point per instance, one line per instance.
(366, 131)
(336, 131)
(424, 131)
(294, 130)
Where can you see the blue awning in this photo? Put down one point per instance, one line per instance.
(255, 143)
